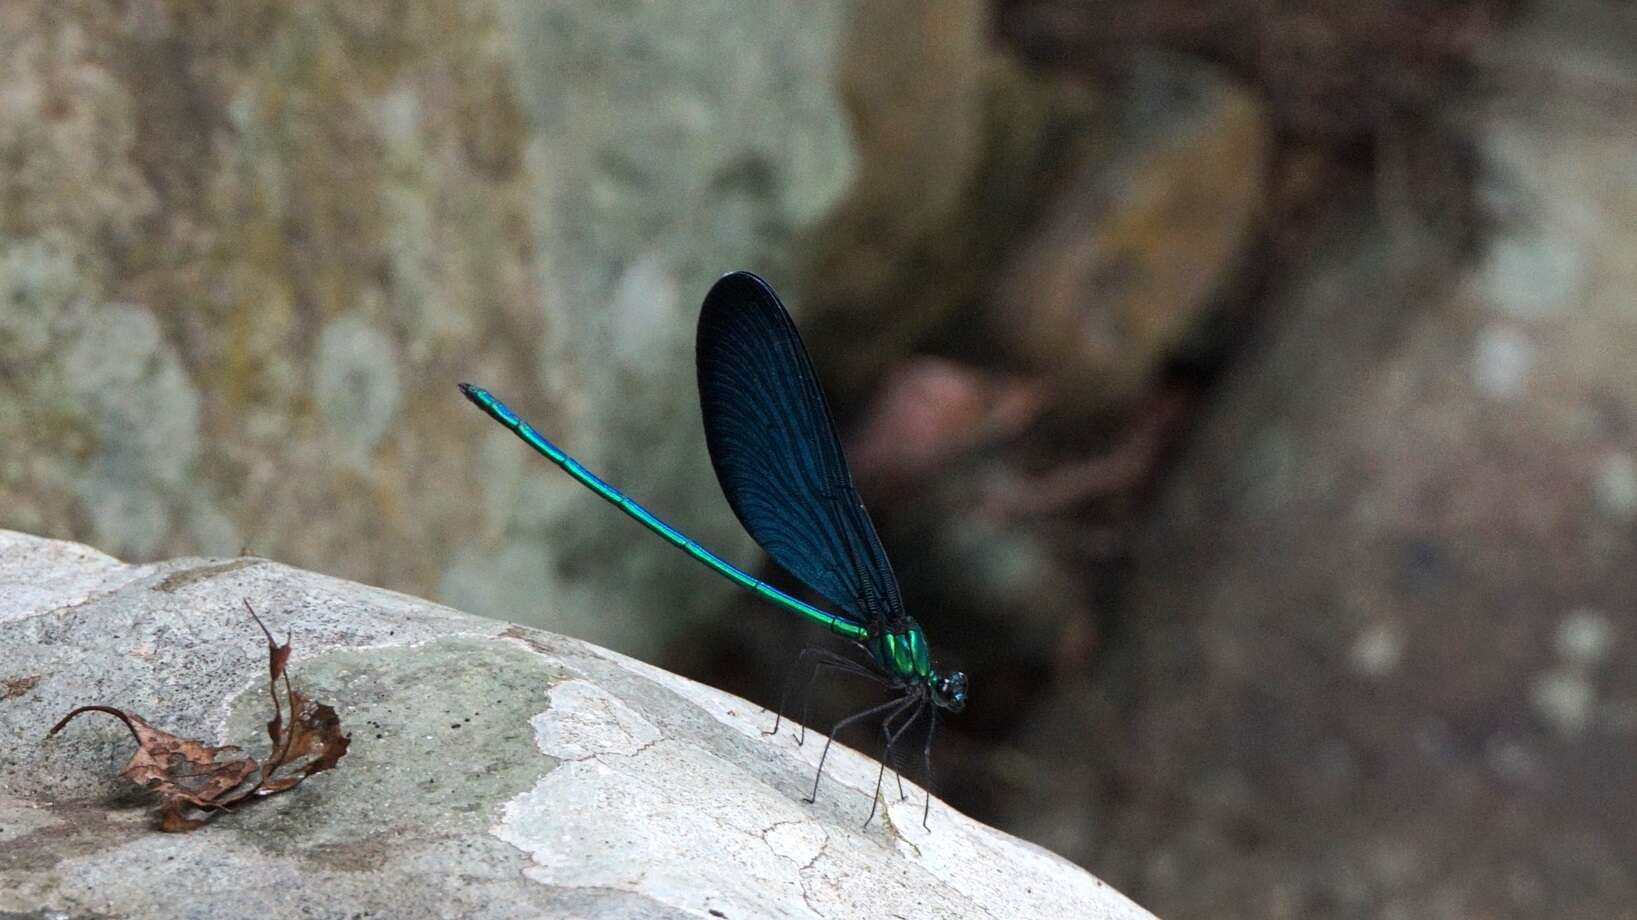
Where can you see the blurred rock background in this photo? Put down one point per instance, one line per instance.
(1243, 390)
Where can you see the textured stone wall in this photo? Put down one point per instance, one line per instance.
(247, 250)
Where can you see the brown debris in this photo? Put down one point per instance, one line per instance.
(13, 687)
(189, 776)
(185, 773)
(314, 731)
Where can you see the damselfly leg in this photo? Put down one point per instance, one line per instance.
(823, 659)
(894, 705)
(887, 749)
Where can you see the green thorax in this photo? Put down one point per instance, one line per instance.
(903, 654)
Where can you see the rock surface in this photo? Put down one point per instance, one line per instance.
(1093, 298)
(494, 770)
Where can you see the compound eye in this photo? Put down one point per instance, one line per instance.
(951, 691)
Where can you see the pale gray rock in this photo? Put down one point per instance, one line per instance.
(494, 771)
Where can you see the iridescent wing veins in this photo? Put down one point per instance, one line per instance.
(776, 453)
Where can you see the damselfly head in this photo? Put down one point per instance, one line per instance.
(949, 690)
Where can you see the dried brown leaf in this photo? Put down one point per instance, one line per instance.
(277, 655)
(314, 744)
(187, 774)
(183, 772)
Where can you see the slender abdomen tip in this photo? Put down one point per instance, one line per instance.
(479, 397)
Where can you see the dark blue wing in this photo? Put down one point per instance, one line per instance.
(776, 453)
